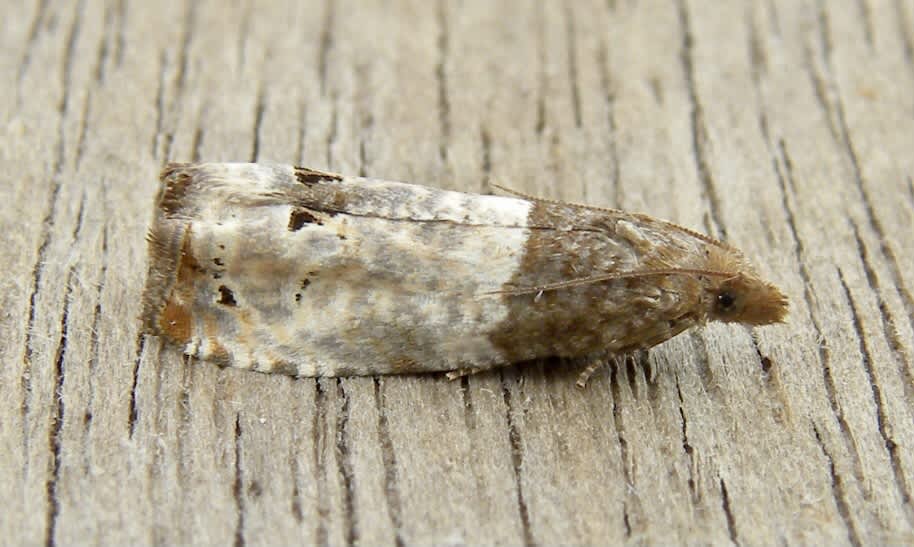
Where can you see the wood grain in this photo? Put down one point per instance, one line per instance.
(784, 126)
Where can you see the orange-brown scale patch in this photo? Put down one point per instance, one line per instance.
(175, 319)
(189, 268)
(217, 352)
(175, 322)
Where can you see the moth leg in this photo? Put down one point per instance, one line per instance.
(456, 374)
(594, 365)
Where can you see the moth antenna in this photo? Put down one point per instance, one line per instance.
(607, 277)
(531, 197)
(693, 233)
(517, 193)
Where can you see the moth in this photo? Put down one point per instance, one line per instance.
(296, 271)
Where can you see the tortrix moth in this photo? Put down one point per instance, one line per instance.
(290, 270)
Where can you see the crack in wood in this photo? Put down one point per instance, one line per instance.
(444, 105)
(517, 461)
(616, 392)
(572, 62)
(882, 427)
(389, 459)
(326, 44)
(318, 429)
(238, 486)
(728, 512)
(687, 447)
(260, 107)
(838, 493)
(349, 516)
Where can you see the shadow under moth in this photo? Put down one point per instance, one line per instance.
(290, 270)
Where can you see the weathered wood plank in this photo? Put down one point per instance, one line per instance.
(784, 126)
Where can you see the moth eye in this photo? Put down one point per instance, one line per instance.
(725, 301)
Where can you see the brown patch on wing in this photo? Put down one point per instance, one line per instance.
(173, 271)
(551, 323)
(175, 179)
(312, 176)
(403, 365)
(172, 267)
(175, 321)
(589, 318)
(218, 353)
(345, 372)
(189, 269)
(284, 367)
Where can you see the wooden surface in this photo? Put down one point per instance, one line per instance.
(785, 126)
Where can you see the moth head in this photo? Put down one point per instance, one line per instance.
(747, 299)
(736, 294)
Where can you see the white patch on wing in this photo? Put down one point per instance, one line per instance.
(346, 293)
(404, 291)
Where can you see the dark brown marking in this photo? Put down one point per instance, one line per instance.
(175, 181)
(283, 367)
(300, 217)
(226, 296)
(304, 285)
(310, 176)
(218, 261)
